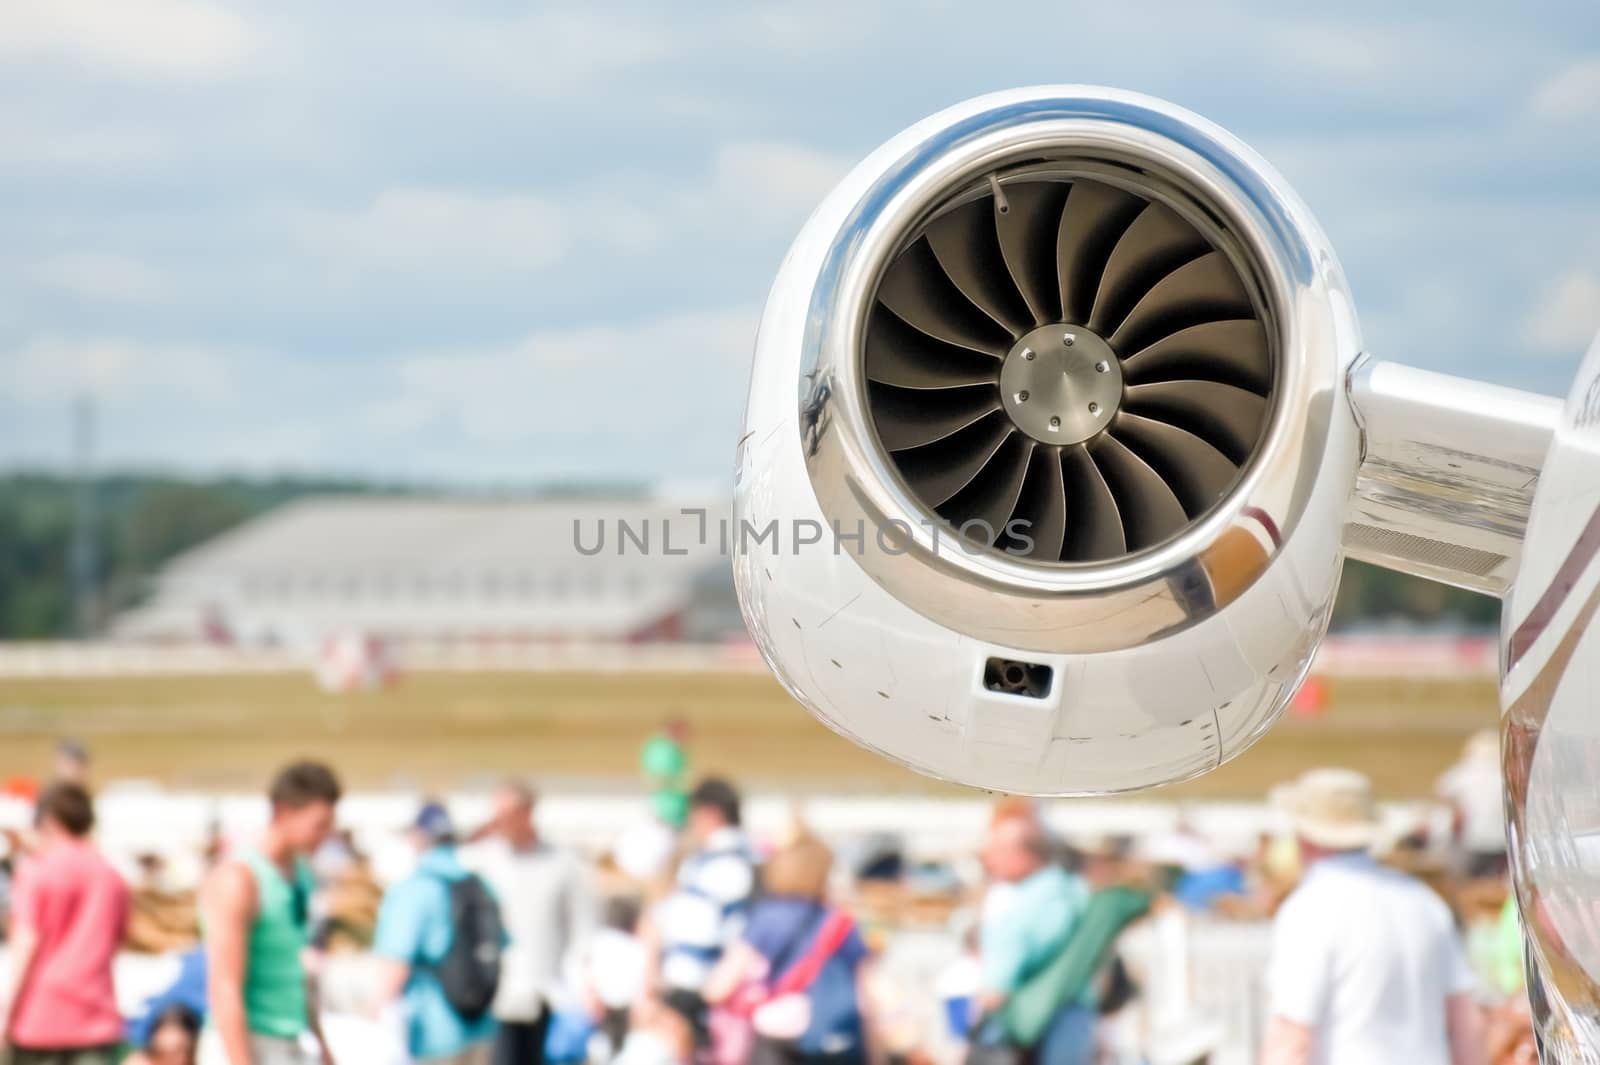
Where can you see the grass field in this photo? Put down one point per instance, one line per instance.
(449, 729)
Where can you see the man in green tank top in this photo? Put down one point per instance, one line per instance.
(256, 910)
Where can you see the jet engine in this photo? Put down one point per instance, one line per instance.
(1059, 429)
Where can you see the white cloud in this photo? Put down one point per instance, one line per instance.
(1566, 320)
(1570, 94)
(120, 371)
(1340, 51)
(772, 181)
(620, 379)
(100, 278)
(165, 37)
(37, 145)
(430, 230)
(546, 53)
(654, 397)
(184, 404)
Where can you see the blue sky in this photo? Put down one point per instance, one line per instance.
(491, 241)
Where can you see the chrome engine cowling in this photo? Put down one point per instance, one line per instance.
(1047, 452)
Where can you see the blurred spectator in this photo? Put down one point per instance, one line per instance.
(882, 859)
(427, 921)
(798, 961)
(1508, 969)
(187, 990)
(1033, 921)
(71, 763)
(706, 911)
(547, 910)
(958, 984)
(660, 1035)
(612, 969)
(644, 851)
(68, 919)
(1189, 1041)
(1473, 789)
(8, 857)
(257, 910)
(1366, 964)
(174, 1038)
(664, 761)
(1510, 1039)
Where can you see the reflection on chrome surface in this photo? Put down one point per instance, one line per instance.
(1552, 772)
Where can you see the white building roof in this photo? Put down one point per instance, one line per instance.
(422, 568)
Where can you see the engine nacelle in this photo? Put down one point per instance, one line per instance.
(1047, 451)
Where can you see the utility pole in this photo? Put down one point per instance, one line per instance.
(82, 563)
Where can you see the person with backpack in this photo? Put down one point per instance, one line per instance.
(439, 941)
(796, 971)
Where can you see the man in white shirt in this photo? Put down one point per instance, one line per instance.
(547, 909)
(1475, 791)
(1367, 968)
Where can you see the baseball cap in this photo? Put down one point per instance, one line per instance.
(433, 821)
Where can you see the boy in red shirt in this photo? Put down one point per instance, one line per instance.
(69, 913)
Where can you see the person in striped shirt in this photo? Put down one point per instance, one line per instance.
(706, 910)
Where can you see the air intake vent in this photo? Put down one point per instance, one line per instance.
(1066, 370)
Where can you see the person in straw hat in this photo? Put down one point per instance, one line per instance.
(1367, 968)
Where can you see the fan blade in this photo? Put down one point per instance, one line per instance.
(1028, 241)
(917, 289)
(1232, 351)
(986, 503)
(1154, 244)
(1229, 418)
(908, 418)
(899, 355)
(1202, 290)
(1095, 216)
(1096, 529)
(1197, 473)
(966, 244)
(939, 471)
(1043, 506)
(1150, 510)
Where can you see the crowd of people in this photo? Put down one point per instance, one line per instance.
(499, 947)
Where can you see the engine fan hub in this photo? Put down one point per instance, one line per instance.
(1061, 384)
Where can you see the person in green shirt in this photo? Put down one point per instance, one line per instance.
(664, 761)
(1508, 973)
(256, 913)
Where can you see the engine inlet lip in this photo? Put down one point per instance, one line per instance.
(1162, 153)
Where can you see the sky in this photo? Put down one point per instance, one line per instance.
(490, 242)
